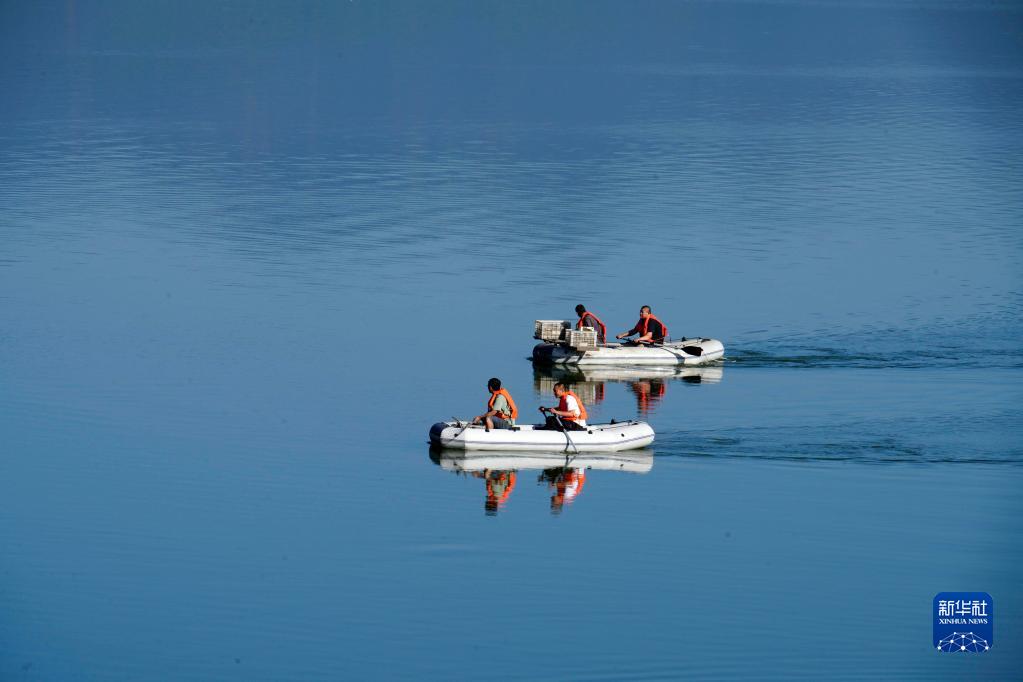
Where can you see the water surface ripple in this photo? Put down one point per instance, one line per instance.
(248, 254)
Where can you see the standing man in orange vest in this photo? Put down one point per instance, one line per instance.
(501, 411)
(650, 329)
(570, 411)
(588, 319)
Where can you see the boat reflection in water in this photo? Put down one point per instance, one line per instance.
(647, 384)
(563, 475)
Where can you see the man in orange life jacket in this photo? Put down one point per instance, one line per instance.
(588, 319)
(501, 411)
(570, 411)
(650, 329)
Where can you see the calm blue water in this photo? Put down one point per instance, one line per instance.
(250, 252)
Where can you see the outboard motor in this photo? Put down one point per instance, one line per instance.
(542, 352)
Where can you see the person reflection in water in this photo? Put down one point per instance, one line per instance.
(499, 486)
(648, 394)
(565, 485)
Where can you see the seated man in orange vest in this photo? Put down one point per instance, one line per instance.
(650, 329)
(588, 319)
(501, 411)
(569, 415)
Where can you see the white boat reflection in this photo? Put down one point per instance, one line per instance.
(563, 476)
(647, 384)
(632, 461)
(710, 374)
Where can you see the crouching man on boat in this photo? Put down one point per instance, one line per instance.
(588, 319)
(501, 411)
(569, 415)
(650, 329)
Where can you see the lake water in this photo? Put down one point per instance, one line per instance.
(249, 253)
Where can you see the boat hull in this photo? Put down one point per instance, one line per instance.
(616, 437)
(670, 354)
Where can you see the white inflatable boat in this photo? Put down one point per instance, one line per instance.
(627, 435)
(636, 461)
(564, 345)
(684, 352)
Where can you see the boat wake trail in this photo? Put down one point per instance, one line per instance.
(895, 441)
(887, 348)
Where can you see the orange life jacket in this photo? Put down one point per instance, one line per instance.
(601, 329)
(645, 323)
(563, 406)
(507, 396)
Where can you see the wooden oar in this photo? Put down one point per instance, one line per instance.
(468, 423)
(565, 431)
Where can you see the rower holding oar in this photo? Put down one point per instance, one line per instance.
(569, 415)
(650, 329)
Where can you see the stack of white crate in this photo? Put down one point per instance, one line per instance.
(551, 331)
(583, 339)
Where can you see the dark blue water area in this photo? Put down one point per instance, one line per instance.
(250, 252)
